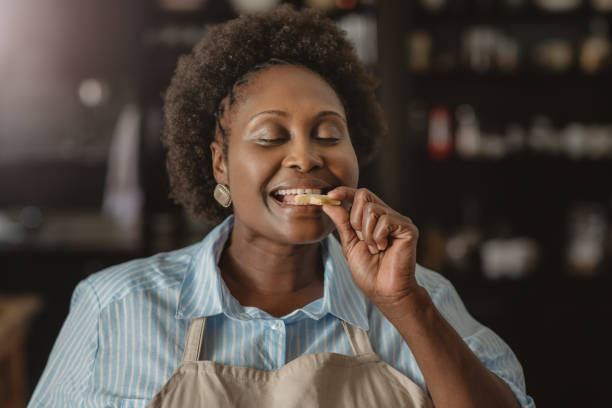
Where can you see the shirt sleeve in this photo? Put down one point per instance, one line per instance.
(495, 354)
(67, 376)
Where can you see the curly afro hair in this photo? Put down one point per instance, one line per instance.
(224, 58)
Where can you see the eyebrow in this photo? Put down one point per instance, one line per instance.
(283, 113)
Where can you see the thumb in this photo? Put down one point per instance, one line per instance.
(340, 217)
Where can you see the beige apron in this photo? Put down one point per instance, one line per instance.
(312, 380)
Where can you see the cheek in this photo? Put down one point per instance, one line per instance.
(253, 168)
(343, 163)
(248, 174)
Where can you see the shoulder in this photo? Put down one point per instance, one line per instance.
(160, 271)
(436, 285)
(447, 301)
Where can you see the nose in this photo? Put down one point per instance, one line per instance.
(303, 156)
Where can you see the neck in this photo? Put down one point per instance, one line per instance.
(277, 278)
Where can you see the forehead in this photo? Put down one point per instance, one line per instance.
(296, 90)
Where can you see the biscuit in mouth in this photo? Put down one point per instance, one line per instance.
(316, 199)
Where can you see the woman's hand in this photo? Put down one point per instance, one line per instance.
(380, 246)
(378, 243)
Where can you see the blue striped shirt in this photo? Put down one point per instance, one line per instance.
(124, 335)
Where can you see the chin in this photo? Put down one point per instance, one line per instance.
(308, 232)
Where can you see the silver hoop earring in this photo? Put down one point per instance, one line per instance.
(222, 195)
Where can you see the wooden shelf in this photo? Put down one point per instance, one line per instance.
(525, 76)
(530, 15)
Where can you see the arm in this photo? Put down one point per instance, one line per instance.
(380, 247)
(66, 378)
(454, 375)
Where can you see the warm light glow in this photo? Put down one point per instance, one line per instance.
(253, 6)
(93, 92)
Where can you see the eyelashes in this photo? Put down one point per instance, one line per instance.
(266, 142)
(281, 140)
(322, 134)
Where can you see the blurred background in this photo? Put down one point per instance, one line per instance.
(500, 150)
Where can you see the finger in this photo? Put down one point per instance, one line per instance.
(340, 218)
(372, 212)
(354, 199)
(361, 198)
(344, 194)
(403, 228)
(381, 233)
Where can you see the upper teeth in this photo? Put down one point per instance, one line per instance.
(299, 191)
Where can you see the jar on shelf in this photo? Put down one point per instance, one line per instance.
(596, 49)
(587, 231)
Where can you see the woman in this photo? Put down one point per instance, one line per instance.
(270, 309)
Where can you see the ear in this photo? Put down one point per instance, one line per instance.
(218, 163)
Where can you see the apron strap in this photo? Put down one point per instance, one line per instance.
(195, 337)
(360, 342)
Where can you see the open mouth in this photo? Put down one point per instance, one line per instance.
(287, 196)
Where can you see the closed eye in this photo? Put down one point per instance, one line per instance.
(328, 140)
(270, 135)
(266, 142)
(329, 131)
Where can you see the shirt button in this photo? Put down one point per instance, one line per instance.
(277, 325)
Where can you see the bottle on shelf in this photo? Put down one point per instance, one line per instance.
(439, 134)
(573, 140)
(468, 140)
(587, 233)
(462, 243)
(513, 257)
(596, 50)
(507, 51)
(418, 51)
(361, 30)
(553, 54)
(478, 48)
(487, 48)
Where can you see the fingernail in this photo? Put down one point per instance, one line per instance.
(359, 235)
(373, 249)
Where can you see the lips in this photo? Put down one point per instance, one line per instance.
(288, 196)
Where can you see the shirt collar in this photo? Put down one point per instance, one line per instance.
(341, 296)
(204, 293)
(201, 291)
